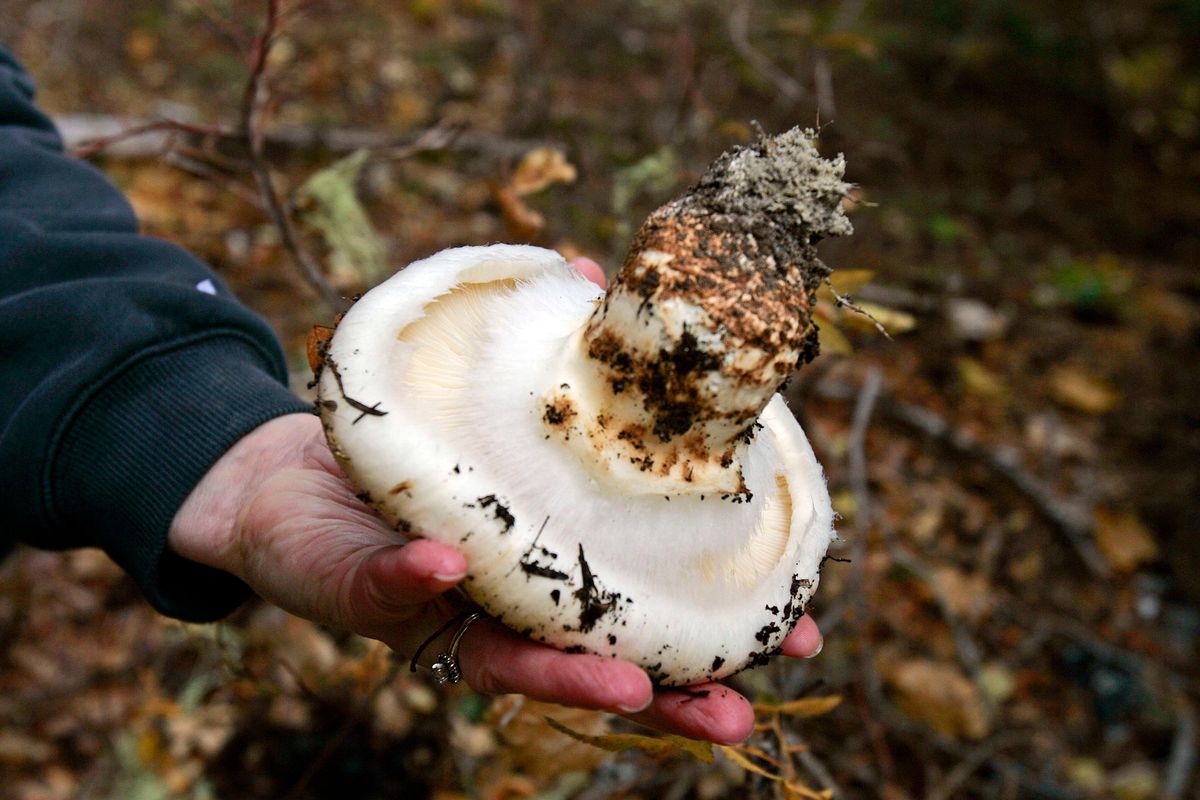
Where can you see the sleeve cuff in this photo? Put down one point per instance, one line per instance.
(136, 449)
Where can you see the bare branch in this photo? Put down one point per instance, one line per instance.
(739, 36)
(845, 301)
(90, 135)
(1182, 761)
(1072, 520)
(251, 128)
(82, 139)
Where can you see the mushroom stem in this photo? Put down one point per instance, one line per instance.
(708, 316)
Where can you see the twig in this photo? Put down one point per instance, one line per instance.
(856, 440)
(845, 301)
(968, 650)
(202, 170)
(1182, 761)
(251, 128)
(823, 78)
(1071, 520)
(93, 134)
(75, 130)
(301, 684)
(975, 758)
(856, 466)
(739, 27)
(810, 762)
(224, 25)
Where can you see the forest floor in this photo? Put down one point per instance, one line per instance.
(1015, 606)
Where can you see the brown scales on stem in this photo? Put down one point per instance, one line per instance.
(711, 310)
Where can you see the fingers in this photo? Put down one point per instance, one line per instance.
(391, 581)
(590, 270)
(709, 711)
(495, 660)
(805, 640)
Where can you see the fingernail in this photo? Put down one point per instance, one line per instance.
(817, 652)
(634, 710)
(448, 577)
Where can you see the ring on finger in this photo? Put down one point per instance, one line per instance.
(446, 669)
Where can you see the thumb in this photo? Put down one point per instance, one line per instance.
(390, 582)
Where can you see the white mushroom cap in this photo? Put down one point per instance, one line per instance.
(437, 396)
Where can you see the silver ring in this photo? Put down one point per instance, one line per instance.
(445, 667)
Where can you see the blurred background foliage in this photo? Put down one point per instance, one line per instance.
(1019, 614)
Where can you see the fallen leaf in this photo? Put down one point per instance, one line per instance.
(804, 707)
(1026, 567)
(1086, 774)
(1124, 540)
(318, 337)
(527, 740)
(17, 748)
(1083, 391)
(938, 694)
(141, 46)
(845, 282)
(978, 380)
(540, 168)
(833, 341)
(969, 596)
(331, 206)
(735, 755)
(867, 316)
(851, 42)
(997, 681)
(1136, 781)
(522, 221)
(654, 745)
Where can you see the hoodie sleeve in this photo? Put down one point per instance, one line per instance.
(127, 368)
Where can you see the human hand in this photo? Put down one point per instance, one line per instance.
(277, 512)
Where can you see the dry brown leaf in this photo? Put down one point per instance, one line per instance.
(1167, 311)
(978, 380)
(833, 341)
(869, 315)
(845, 282)
(528, 740)
(804, 707)
(735, 754)
(473, 739)
(851, 42)
(969, 596)
(540, 168)
(653, 745)
(1026, 567)
(799, 790)
(1083, 391)
(318, 337)
(938, 694)
(17, 748)
(1124, 540)
(522, 221)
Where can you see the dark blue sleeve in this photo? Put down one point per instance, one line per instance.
(126, 368)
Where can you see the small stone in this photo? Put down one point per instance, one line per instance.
(975, 321)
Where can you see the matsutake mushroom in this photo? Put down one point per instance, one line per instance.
(618, 468)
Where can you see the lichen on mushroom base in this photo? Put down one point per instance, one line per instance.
(618, 468)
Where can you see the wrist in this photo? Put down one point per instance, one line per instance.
(205, 528)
